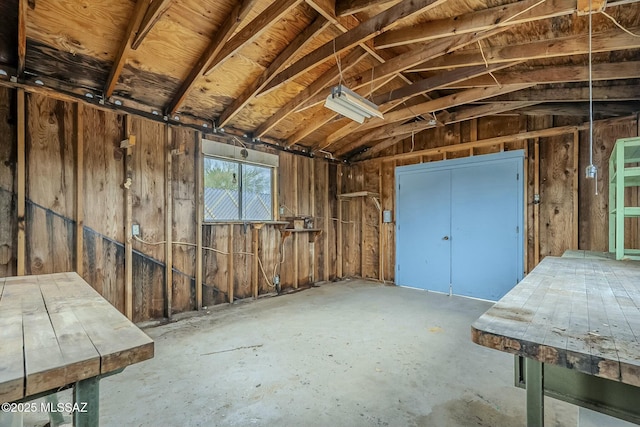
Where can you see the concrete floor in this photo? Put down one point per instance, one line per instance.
(352, 353)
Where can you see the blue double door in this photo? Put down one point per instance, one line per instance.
(459, 225)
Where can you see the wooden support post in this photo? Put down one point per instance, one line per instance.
(536, 207)
(168, 223)
(297, 210)
(312, 246)
(474, 130)
(230, 272)
(363, 227)
(128, 221)
(22, 184)
(254, 267)
(327, 222)
(525, 192)
(381, 230)
(339, 227)
(79, 135)
(576, 158)
(199, 215)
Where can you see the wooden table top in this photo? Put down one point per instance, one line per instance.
(582, 314)
(55, 330)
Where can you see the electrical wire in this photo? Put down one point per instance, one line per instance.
(618, 24)
(486, 64)
(212, 250)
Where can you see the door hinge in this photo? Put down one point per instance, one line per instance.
(517, 229)
(398, 267)
(398, 187)
(518, 176)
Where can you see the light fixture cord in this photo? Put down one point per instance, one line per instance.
(590, 92)
(337, 61)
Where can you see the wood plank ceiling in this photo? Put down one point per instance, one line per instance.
(261, 69)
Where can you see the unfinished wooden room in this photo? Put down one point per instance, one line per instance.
(320, 213)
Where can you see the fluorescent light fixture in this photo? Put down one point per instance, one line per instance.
(348, 103)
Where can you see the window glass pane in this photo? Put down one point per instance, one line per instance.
(221, 190)
(256, 193)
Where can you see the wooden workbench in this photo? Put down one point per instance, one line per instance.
(57, 331)
(568, 317)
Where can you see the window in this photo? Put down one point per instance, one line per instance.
(237, 190)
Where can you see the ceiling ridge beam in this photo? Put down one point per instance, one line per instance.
(154, 12)
(351, 59)
(520, 12)
(363, 32)
(238, 13)
(606, 41)
(125, 47)
(252, 31)
(318, 25)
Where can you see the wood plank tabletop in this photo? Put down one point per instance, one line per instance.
(580, 313)
(55, 330)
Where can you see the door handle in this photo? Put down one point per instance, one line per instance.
(445, 238)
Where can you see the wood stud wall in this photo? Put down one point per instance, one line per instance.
(63, 182)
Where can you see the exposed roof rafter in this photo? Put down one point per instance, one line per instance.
(154, 12)
(301, 40)
(252, 30)
(363, 32)
(125, 47)
(238, 13)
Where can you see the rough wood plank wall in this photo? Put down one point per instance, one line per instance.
(184, 219)
(9, 227)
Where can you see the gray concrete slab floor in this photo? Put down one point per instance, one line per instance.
(352, 353)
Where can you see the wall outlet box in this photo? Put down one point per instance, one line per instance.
(135, 230)
(387, 216)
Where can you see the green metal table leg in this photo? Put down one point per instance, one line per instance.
(534, 372)
(86, 400)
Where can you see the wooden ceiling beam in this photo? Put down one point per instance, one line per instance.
(363, 32)
(519, 12)
(252, 30)
(594, 5)
(581, 109)
(301, 40)
(326, 79)
(548, 75)
(238, 13)
(154, 12)
(607, 41)
(576, 94)
(125, 47)
(391, 135)
(349, 7)
(22, 36)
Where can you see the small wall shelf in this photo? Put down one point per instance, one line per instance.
(624, 172)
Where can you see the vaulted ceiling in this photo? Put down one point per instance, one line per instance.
(262, 69)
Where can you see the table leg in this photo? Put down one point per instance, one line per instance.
(534, 372)
(86, 400)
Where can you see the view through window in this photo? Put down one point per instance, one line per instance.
(236, 191)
